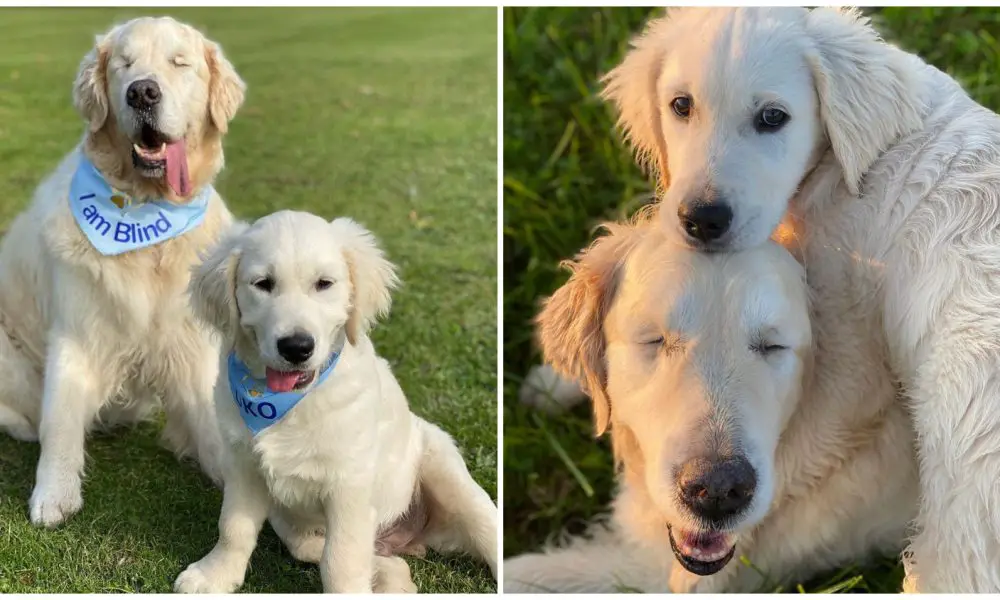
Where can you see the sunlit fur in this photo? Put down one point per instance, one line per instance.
(818, 445)
(897, 214)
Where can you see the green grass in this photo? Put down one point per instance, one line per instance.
(385, 115)
(565, 171)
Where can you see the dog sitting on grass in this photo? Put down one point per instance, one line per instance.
(316, 429)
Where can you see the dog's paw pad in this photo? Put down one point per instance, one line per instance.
(51, 507)
(544, 390)
(195, 580)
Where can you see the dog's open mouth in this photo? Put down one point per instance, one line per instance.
(702, 552)
(155, 155)
(286, 381)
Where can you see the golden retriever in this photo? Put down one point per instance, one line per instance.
(90, 338)
(731, 438)
(887, 174)
(317, 431)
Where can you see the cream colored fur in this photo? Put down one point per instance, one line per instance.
(87, 339)
(835, 468)
(896, 208)
(348, 459)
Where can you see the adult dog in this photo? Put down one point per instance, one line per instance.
(317, 431)
(731, 437)
(93, 329)
(888, 174)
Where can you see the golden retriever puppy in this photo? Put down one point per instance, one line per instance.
(94, 319)
(316, 429)
(890, 175)
(730, 437)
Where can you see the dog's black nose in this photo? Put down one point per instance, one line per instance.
(144, 93)
(705, 221)
(296, 348)
(716, 490)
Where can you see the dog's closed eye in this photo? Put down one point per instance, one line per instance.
(767, 348)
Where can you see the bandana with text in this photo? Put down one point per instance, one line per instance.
(115, 224)
(259, 406)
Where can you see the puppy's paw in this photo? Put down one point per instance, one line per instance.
(202, 579)
(546, 390)
(392, 576)
(307, 547)
(53, 503)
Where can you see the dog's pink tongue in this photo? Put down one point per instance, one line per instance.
(278, 381)
(177, 169)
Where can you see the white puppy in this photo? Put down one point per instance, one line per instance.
(316, 428)
(94, 319)
(889, 175)
(730, 439)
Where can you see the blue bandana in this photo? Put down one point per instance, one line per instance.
(114, 225)
(259, 406)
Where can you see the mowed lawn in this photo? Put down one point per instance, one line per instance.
(565, 171)
(385, 115)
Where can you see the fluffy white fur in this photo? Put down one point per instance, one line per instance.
(818, 445)
(347, 461)
(87, 339)
(888, 175)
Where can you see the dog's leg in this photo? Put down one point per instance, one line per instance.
(245, 504)
(392, 576)
(942, 323)
(75, 387)
(600, 563)
(463, 517)
(191, 427)
(547, 391)
(20, 391)
(347, 565)
(17, 425)
(306, 546)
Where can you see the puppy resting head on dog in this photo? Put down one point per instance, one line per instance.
(697, 361)
(158, 97)
(288, 290)
(733, 107)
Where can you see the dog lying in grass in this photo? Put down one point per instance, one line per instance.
(316, 429)
(731, 437)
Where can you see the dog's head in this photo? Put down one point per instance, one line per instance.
(697, 361)
(289, 289)
(157, 97)
(733, 107)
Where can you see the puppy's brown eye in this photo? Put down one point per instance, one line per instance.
(264, 284)
(681, 105)
(323, 284)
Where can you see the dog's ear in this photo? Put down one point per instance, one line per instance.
(225, 88)
(90, 88)
(373, 277)
(631, 86)
(213, 283)
(867, 90)
(571, 322)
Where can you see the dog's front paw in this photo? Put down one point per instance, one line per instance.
(546, 390)
(51, 504)
(202, 579)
